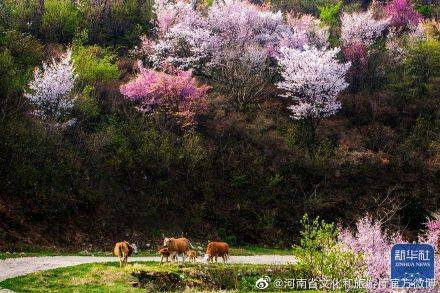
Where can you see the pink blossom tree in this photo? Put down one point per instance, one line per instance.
(51, 89)
(402, 14)
(374, 244)
(175, 93)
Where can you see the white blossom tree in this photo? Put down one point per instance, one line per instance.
(361, 27)
(313, 79)
(51, 89)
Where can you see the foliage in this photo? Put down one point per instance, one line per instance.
(51, 89)
(423, 65)
(19, 53)
(176, 93)
(321, 256)
(93, 63)
(60, 20)
(21, 15)
(116, 22)
(329, 13)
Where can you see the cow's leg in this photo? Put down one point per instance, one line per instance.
(183, 257)
(173, 256)
(125, 258)
(120, 260)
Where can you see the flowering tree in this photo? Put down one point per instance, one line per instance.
(316, 34)
(228, 33)
(176, 93)
(402, 14)
(359, 30)
(313, 79)
(374, 245)
(51, 89)
(361, 27)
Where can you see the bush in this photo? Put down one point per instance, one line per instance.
(21, 15)
(61, 19)
(116, 22)
(423, 66)
(18, 55)
(93, 63)
(320, 255)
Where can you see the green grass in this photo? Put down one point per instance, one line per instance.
(29, 251)
(109, 277)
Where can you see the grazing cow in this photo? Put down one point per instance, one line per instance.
(123, 250)
(192, 255)
(176, 246)
(216, 249)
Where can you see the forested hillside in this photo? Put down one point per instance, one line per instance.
(220, 119)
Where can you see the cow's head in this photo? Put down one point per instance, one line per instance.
(166, 241)
(208, 257)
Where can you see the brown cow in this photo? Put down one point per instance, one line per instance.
(216, 249)
(176, 246)
(192, 255)
(123, 250)
(165, 253)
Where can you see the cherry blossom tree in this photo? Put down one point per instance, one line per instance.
(374, 245)
(313, 79)
(316, 33)
(361, 27)
(175, 93)
(51, 89)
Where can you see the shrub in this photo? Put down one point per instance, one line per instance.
(116, 22)
(423, 66)
(61, 19)
(93, 63)
(18, 56)
(321, 256)
(21, 15)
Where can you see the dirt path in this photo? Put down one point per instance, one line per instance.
(13, 267)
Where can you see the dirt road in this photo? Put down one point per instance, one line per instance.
(13, 267)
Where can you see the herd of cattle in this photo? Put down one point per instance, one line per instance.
(172, 248)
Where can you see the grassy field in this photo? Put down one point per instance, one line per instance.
(245, 250)
(150, 277)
